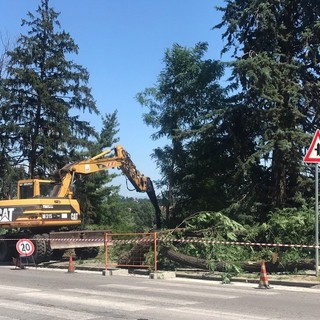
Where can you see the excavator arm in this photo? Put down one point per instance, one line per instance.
(115, 157)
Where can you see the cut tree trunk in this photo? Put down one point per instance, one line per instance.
(248, 266)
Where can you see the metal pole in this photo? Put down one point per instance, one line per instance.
(155, 253)
(317, 220)
(106, 251)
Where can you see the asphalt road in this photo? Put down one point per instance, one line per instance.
(55, 294)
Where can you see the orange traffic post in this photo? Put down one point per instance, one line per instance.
(71, 265)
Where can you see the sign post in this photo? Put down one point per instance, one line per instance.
(317, 219)
(313, 156)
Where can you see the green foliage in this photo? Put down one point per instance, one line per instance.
(218, 227)
(274, 70)
(215, 224)
(184, 107)
(231, 270)
(286, 226)
(123, 214)
(291, 225)
(149, 259)
(9, 176)
(95, 190)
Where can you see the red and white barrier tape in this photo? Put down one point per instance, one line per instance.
(60, 239)
(262, 244)
(188, 240)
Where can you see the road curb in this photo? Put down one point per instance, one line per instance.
(290, 283)
(163, 275)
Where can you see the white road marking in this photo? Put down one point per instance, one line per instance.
(17, 290)
(120, 286)
(45, 311)
(213, 314)
(145, 297)
(233, 288)
(182, 292)
(93, 302)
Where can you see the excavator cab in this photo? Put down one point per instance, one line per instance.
(31, 188)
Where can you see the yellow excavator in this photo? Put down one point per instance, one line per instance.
(44, 207)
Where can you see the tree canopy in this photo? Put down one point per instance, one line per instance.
(276, 68)
(186, 107)
(240, 148)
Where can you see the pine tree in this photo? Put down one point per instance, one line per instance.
(44, 90)
(276, 71)
(185, 106)
(95, 190)
(9, 172)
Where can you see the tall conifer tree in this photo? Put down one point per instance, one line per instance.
(185, 107)
(44, 90)
(276, 67)
(94, 191)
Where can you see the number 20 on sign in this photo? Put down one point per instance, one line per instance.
(25, 247)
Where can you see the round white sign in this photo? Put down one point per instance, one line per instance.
(25, 247)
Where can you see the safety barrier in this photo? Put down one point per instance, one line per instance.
(136, 246)
(140, 250)
(136, 250)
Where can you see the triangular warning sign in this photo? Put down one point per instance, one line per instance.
(313, 154)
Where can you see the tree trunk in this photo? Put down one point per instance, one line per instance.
(248, 266)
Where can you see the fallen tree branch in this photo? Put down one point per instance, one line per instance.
(248, 266)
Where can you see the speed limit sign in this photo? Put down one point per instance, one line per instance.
(25, 247)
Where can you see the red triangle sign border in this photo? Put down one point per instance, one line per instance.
(308, 157)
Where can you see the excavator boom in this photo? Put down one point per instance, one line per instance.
(115, 157)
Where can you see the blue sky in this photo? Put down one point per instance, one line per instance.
(121, 44)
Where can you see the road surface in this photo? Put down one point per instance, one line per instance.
(39, 294)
